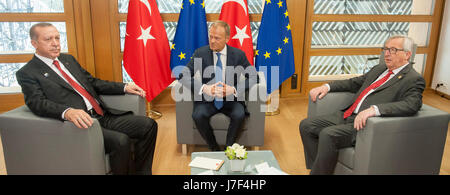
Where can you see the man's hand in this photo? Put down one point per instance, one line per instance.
(79, 117)
(228, 90)
(318, 91)
(361, 118)
(134, 89)
(215, 90)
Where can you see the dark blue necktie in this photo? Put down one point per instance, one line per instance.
(218, 102)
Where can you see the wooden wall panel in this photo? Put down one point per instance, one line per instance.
(101, 19)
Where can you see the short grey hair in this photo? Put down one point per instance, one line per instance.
(33, 34)
(408, 42)
(222, 24)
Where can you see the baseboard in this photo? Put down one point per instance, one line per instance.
(442, 94)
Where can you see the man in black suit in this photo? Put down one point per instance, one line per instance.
(392, 88)
(55, 85)
(221, 88)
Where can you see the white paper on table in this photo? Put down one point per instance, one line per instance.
(261, 167)
(265, 169)
(206, 163)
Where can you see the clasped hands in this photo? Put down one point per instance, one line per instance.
(219, 90)
(360, 119)
(83, 120)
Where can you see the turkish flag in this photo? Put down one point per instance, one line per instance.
(146, 55)
(235, 13)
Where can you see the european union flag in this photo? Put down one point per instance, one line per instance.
(192, 33)
(275, 56)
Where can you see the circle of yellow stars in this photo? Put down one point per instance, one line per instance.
(172, 47)
(285, 40)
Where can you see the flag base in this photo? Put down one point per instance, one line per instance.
(153, 114)
(273, 113)
(273, 104)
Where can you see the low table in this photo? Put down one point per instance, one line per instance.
(253, 158)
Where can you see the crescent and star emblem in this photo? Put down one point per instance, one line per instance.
(240, 2)
(145, 33)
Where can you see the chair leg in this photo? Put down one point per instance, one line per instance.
(184, 149)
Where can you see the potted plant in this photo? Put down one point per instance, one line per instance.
(237, 155)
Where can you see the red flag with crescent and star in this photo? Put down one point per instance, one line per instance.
(146, 56)
(235, 13)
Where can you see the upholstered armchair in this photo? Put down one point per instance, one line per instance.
(252, 133)
(37, 145)
(390, 145)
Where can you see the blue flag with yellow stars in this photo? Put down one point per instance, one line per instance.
(192, 33)
(274, 51)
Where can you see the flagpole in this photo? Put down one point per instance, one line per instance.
(153, 113)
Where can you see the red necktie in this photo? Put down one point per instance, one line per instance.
(80, 90)
(352, 108)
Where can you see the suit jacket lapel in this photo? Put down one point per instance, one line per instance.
(370, 78)
(229, 54)
(76, 74)
(396, 78)
(210, 58)
(43, 69)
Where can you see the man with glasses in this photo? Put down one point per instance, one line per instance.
(392, 88)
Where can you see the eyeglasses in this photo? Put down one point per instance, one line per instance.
(391, 50)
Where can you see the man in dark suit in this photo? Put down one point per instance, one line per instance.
(221, 88)
(56, 86)
(392, 88)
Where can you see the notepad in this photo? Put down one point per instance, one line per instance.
(206, 163)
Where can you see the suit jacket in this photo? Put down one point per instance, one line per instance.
(239, 73)
(49, 95)
(400, 96)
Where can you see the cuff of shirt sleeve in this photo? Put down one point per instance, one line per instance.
(377, 111)
(201, 90)
(235, 92)
(62, 116)
(328, 86)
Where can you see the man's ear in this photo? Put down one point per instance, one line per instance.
(408, 55)
(34, 43)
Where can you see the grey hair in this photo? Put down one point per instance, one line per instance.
(222, 24)
(33, 34)
(408, 42)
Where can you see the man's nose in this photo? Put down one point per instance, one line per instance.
(54, 42)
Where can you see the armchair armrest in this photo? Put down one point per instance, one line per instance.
(183, 107)
(400, 145)
(332, 102)
(256, 106)
(127, 102)
(37, 145)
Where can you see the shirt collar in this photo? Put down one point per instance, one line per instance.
(223, 52)
(397, 70)
(46, 60)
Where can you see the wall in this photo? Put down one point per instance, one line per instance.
(442, 68)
